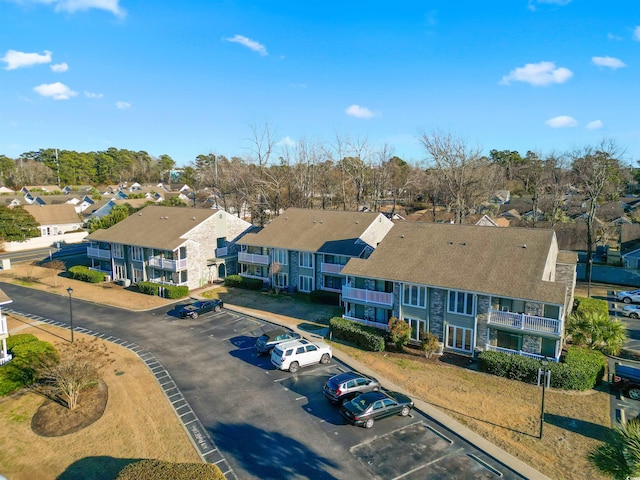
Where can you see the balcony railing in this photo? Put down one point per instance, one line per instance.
(6, 358)
(369, 323)
(102, 253)
(522, 321)
(367, 296)
(4, 331)
(248, 275)
(166, 264)
(331, 267)
(221, 252)
(508, 351)
(164, 282)
(253, 258)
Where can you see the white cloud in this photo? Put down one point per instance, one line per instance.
(92, 95)
(532, 3)
(610, 62)
(636, 33)
(57, 91)
(287, 142)
(538, 74)
(359, 112)
(72, 6)
(562, 121)
(612, 36)
(15, 59)
(122, 105)
(60, 67)
(247, 42)
(595, 125)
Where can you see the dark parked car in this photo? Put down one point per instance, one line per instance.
(270, 339)
(347, 385)
(201, 306)
(365, 409)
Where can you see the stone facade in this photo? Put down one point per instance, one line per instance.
(484, 303)
(437, 300)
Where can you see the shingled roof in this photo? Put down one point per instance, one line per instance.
(324, 231)
(500, 261)
(61, 214)
(158, 227)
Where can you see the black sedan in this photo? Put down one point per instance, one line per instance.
(365, 409)
(199, 307)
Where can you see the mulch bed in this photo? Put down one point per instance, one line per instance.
(55, 420)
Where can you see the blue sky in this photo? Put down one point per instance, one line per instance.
(191, 77)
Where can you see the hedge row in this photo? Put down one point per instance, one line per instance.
(324, 297)
(27, 353)
(80, 272)
(158, 470)
(369, 338)
(170, 291)
(242, 282)
(581, 368)
(585, 305)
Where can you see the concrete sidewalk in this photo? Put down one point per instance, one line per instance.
(448, 422)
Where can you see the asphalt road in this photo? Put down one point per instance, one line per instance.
(266, 423)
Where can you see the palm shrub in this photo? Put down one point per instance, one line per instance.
(597, 330)
(399, 332)
(619, 457)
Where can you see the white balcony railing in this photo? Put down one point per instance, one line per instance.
(6, 358)
(253, 258)
(522, 321)
(367, 296)
(166, 264)
(368, 323)
(222, 252)
(164, 282)
(331, 267)
(508, 351)
(248, 275)
(3, 326)
(102, 253)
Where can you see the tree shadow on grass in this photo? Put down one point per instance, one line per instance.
(271, 455)
(581, 427)
(96, 468)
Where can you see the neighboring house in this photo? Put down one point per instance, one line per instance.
(5, 356)
(6, 190)
(305, 250)
(169, 245)
(34, 189)
(501, 197)
(629, 239)
(510, 215)
(476, 288)
(486, 221)
(55, 219)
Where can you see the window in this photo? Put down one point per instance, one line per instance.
(280, 256)
(417, 327)
(136, 254)
(459, 338)
(334, 283)
(460, 302)
(305, 284)
(118, 251)
(305, 259)
(120, 272)
(299, 350)
(414, 295)
(281, 280)
(311, 348)
(138, 275)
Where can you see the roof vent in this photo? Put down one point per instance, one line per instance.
(320, 221)
(464, 244)
(450, 243)
(357, 222)
(193, 218)
(402, 236)
(140, 214)
(524, 246)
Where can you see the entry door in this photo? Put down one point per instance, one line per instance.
(417, 326)
(459, 338)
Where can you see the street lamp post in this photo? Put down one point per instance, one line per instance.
(70, 291)
(544, 372)
(590, 268)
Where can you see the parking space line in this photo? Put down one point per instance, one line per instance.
(440, 434)
(486, 465)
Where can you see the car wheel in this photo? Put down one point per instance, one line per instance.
(633, 315)
(368, 423)
(325, 358)
(405, 411)
(218, 308)
(634, 393)
(626, 300)
(293, 368)
(195, 315)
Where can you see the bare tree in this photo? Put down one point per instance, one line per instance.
(262, 144)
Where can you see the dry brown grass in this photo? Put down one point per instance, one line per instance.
(137, 423)
(505, 412)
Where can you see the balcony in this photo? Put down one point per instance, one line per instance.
(164, 282)
(222, 252)
(368, 323)
(493, 348)
(6, 358)
(166, 264)
(361, 295)
(254, 258)
(100, 253)
(4, 331)
(249, 275)
(524, 322)
(334, 268)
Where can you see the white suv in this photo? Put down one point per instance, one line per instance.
(299, 353)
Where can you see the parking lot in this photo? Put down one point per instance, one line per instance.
(274, 424)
